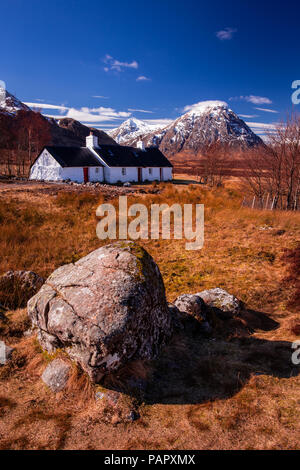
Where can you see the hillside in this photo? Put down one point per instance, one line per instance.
(68, 132)
(63, 132)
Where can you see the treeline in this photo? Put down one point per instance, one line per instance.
(22, 137)
(273, 171)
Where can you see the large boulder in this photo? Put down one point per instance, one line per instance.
(17, 287)
(105, 310)
(227, 305)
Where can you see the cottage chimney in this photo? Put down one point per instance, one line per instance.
(92, 141)
(140, 145)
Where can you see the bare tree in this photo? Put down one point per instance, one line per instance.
(214, 163)
(21, 139)
(274, 169)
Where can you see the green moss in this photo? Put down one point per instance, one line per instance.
(46, 355)
(142, 260)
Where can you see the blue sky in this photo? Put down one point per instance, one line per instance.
(101, 61)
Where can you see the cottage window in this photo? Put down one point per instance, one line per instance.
(150, 171)
(123, 171)
(97, 170)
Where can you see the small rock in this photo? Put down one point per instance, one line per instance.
(99, 396)
(227, 305)
(111, 397)
(191, 305)
(134, 416)
(29, 332)
(5, 353)
(127, 184)
(56, 375)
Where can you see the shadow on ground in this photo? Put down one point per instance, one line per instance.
(195, 368)
(185, 181)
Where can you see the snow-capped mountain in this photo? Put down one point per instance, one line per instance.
(202, 124)
(132, 129)
(9, 103)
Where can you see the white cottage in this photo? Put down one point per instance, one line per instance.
(104, 163)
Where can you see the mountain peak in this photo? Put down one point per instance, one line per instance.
(133, 127)
(133, 123)
(9, 103)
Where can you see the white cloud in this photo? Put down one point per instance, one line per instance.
(142, 78)
(46, 106)
(158, 122)
(100, 96)
(105, 111)
(261, 125)
(202, 105)
(226, 34)
(86, 114)
(117, 65)
(248, 116)
(100, 114)
(103, 126)
(258, 99)
(267, 110)
(140, 111)
(261, 128)
(252, 99)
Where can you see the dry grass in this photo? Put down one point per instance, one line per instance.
(237, 390)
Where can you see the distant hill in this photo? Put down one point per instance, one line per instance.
(64, 132)
(68, 132)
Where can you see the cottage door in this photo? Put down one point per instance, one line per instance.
(85, 174)
(161, 174)
(139, 175)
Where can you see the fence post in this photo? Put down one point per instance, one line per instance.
(267, 201)
(273, 203)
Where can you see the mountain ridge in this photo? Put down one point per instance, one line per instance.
(64, 132)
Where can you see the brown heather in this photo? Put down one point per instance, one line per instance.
(239, 391)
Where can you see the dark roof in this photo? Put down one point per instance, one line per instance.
(74, 156)
(119, 155)
(112, 155)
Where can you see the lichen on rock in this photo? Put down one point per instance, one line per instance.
(226, 304)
